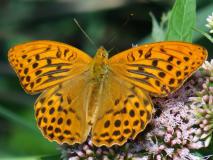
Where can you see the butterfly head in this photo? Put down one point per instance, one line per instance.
(101, 54)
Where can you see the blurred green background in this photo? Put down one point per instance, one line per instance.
(116, 24)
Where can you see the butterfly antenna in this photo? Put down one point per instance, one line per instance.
(110, 50)
(85, 34)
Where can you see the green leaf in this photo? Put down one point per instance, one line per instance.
(181, 21)
(20, 158)
(157, 30)
(198, 155)
(15, 118)
(50, 157)
(208, 36)
(201, 16)
(210, 84)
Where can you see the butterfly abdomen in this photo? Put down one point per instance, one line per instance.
(95, 90)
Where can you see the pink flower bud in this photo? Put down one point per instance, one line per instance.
(98, 151)
(195, 139)
(205, 122)
(158, 157)
(89, 152)
(80, 153)
(206, 98)
(196, 145)
(74, 158)
(85, 147)
(208, 127)
(198, 132)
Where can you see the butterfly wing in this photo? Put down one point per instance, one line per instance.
(42, 64)
(125, 110)
(159, 68)
(60, 111)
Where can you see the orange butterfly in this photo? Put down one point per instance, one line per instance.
(109, 97)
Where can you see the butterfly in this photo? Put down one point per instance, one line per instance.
(107, 98)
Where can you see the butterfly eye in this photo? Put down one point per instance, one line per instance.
(105, 54)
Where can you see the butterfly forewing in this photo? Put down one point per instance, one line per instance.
(159, 68)
(42, 64)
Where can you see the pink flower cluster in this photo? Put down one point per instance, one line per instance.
(182, 122)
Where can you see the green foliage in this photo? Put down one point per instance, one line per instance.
(51, 157)
(20, 158)
(201, 19)
(157, 30)
(15, 118)
(208, 36)
(181, 21)
(210, 84)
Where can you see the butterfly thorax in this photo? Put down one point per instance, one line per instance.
(99, 66)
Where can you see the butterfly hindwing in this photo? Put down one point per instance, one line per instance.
(159, 68)
(125, 110)
(42, 64)
(60, 114)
